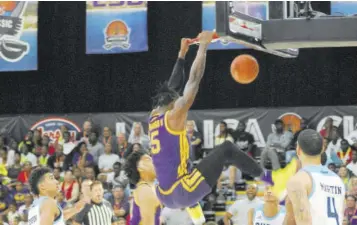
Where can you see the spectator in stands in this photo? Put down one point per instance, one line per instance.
(343, 173)
(245, 140)
(82, 158)
(107, 160)
(223, 135)
(328, 126)
(175, 217)
(89, 173)
(345, 152)
(25, 207)
(138, 136)
(230, 175)
(196, 140)
(57, 160)
(24, 175)
(333, 144)
(109, 138)
(14, 170)
(77, 173)
(37, 139)
(84, 135)
(27, 140)
(12, 212)
(95, 148)
(119, 178)
(27, 156)
(238, 212)
(43, 158)
(19, 193)
(303, 126)
(350, 209)
(61, 200)
(10, 160)
(57, 173)
(277, 142)
(133, 148)
(352, 166)
(119, 202)
(47, 142)
(122, 145)
(70, 188)
(68, 145)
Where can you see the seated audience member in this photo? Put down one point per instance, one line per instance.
(14, 169)
(230, 175)
(24, 175)
(352, 166)
(24, 209)
(138, 136)
(82, 158)
(175, 217)
(107, 160)
(12, 212)
(77, 173)
(343, 174)
(133, 148)
(122, 145)
(58, 175)
(195, 138)
(47, 142)
(89, 173)
(5, 199)
(109, 138)
(223, 135)
(43, 158)
(303, 126)
(327, 129)
(70, 188)
(277, 142)
(119, 202)
(68, 144)
(10, 160)
(119, 178)
(95, 148)
(345, 152)
(28, 156)
(350, 209)
(245, 140)
(334, 143)
(57, 159)
(19, 193)
(61, 200)
(241, 207)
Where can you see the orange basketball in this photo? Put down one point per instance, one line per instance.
(244, 69)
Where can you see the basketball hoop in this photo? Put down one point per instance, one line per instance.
(195, 41)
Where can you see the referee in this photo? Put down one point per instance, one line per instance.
(98, 211)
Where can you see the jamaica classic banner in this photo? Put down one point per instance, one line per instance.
(18, 35)
(259, 122)
(258, 9)
(116, 27)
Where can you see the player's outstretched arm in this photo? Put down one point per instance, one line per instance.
(49, 211)
(146, 200)
(298, 196)
(250, 216)
(183, 104)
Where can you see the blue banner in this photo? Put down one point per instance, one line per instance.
(258, 9)
(18, 35)
(343, 8)
(116, 27)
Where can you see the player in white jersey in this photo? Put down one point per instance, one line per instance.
(45, 210)
(268, 213)
(315, 194)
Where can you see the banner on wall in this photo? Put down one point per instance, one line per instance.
(342, 8)
(258, 120)
(18, 35)
(116, 27)
(258, 9)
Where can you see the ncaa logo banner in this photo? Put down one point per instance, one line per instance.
(18, 35)
(258, 9)
(116, 27)
(343, 8)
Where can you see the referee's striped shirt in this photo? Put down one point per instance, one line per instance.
(96, 214)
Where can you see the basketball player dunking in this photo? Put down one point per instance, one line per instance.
(270, 212)
(315, 194)
(180, 185)
(45, 210)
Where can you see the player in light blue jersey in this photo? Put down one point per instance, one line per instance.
(45, 210)
(268, 213)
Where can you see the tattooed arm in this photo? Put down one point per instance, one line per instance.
(298, 207)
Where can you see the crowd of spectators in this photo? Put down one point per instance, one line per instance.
(94, 155)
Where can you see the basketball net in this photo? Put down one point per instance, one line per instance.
(196, 41)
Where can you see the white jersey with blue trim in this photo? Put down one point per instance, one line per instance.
(327, 196)
(34, 213)
(260, 219)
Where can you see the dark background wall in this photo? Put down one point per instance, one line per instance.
(68, 80)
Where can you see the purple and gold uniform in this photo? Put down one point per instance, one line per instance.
(135, 218)
(179, 184)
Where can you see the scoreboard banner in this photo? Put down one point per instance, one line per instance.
(258, 9)
(343, 8)
(259, 121)
(116, 27)
(18, 35)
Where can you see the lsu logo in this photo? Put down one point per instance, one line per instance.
(117, 35)
(12, 49)
(52, 127)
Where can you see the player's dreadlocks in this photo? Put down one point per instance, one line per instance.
(130, 166)
(165, 95)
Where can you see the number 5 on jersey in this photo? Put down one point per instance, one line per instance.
(155, 142)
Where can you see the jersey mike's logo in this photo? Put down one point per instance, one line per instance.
(12, 49)
(52, 127)
(117, 35)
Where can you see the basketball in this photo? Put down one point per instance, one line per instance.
(244, 69)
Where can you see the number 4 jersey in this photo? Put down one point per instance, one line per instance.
(327, 196)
